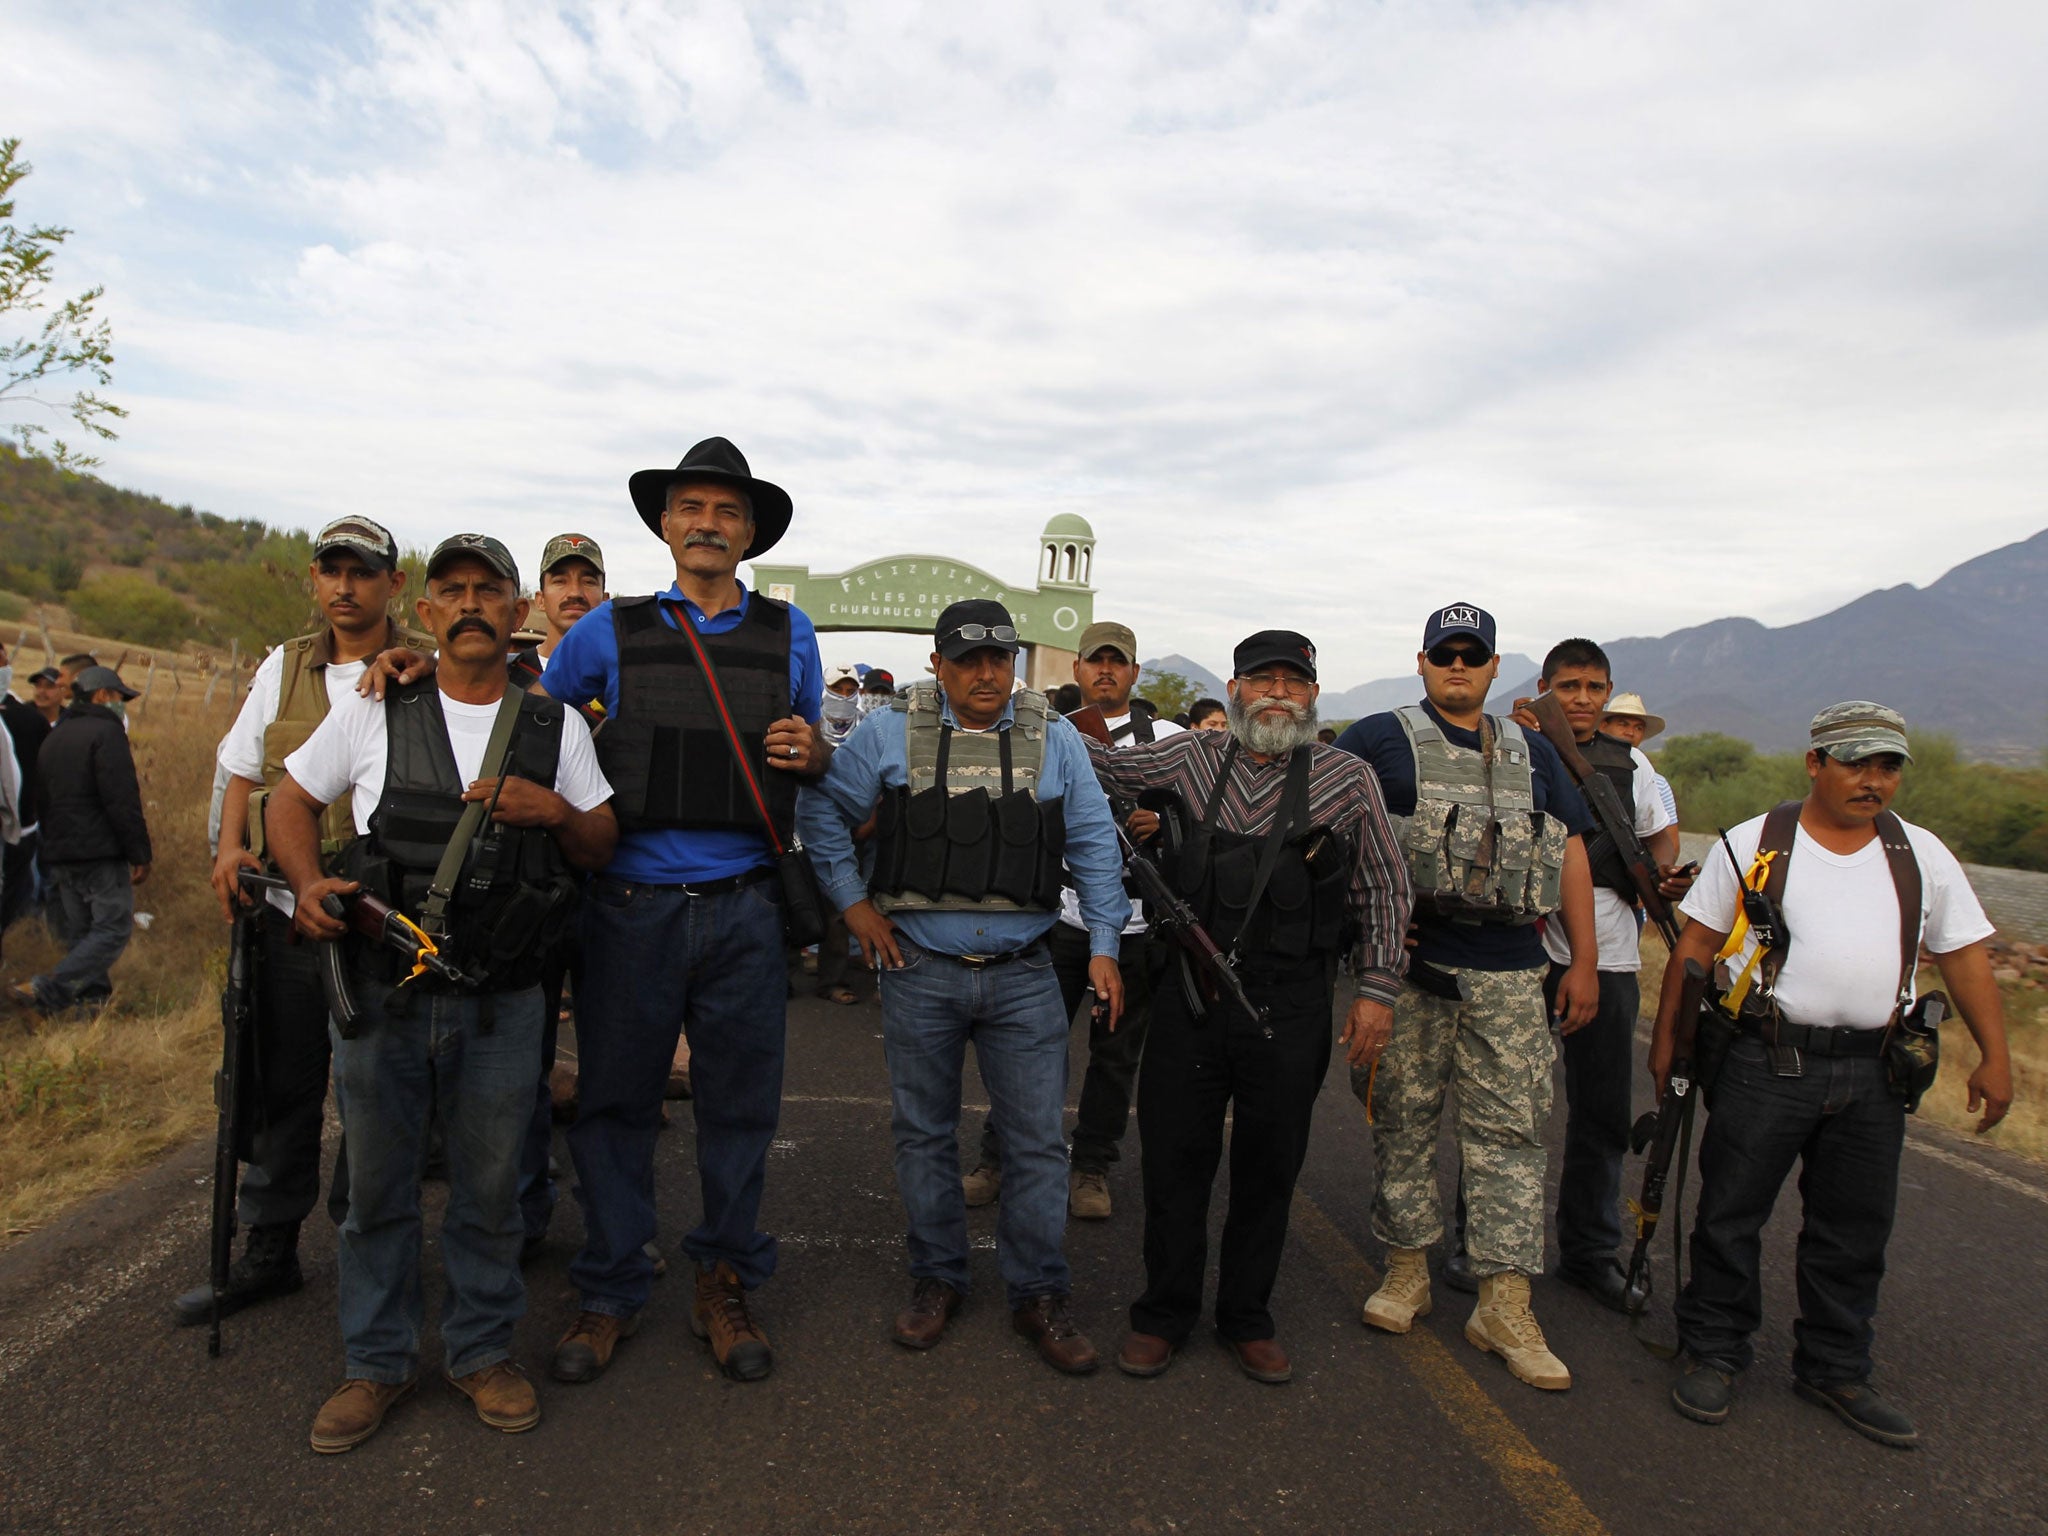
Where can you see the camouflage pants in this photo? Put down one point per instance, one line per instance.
(1496, 1050)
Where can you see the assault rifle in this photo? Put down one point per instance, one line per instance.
(385, 925)
(1209, 973)
(231, 1089)
(1666, 1130)
(1548, 712)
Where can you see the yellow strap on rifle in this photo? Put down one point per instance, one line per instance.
(1759, 874)
(419, 936)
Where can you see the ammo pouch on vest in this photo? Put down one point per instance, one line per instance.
(1478, 850)
(939, 844)
(1303, 908)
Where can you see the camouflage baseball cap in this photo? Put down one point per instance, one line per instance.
(372, 541)
(1858, 729)
(571, 546)
(480, 545)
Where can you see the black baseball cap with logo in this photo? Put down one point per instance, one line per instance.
(977, 624)
(359, 536)
(1458, 619)
(1270, 647)
(479, 546)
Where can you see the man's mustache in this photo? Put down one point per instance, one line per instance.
(463, 626)
(705, 538)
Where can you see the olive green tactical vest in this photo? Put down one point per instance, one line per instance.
(1450, 863)
(973, 761)
(301, 706)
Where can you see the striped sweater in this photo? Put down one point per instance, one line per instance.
(1343, 795)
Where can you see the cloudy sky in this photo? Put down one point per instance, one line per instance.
(1612, 317)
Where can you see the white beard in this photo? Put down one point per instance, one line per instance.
(1269, 736)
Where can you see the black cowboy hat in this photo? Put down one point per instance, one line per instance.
(717, 461)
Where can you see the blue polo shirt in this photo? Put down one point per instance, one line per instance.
(1380, 740)
(585, 666)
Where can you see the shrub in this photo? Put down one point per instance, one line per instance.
(129, 608)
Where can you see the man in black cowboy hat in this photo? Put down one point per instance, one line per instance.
(683, 930)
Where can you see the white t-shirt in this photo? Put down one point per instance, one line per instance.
(1842, 912)
(347, 753)
(1070, 900)
(1614, 916)
(241, 750)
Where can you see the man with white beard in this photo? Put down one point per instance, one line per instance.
(1288, 852)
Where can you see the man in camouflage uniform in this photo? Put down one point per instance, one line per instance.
(1490, 822)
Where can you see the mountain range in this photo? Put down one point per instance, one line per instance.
(1966, 656)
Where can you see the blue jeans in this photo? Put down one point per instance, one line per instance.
(658, 961)
(1845, 1126)
(90, 908)
(390, 1080)
(930, 1010)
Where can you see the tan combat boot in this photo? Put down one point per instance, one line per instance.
(1404, 1295)
(1503, 1325)
(983, 1185)
(1088, 1196)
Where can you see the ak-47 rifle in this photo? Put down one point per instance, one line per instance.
(387, 926)
(238, 1002)
(1209, 971)
(1548, 712)
(1667, 1129)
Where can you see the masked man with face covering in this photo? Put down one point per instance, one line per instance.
(1288, 855)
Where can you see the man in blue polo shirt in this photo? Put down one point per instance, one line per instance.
(1491, 824)
(683, 930)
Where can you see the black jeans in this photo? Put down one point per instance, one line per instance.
(1113, 1055)
(536, 1184)
(1195, 1070)
(282, 1179)
(1599, 1060)
(1844, 1126)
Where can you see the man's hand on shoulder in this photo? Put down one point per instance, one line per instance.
(397, 665)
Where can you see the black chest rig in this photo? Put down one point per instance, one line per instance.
(665, 751)
(1138, 728)
(514, 896)
(968, 830)
(1282, 892)
(1615, 761)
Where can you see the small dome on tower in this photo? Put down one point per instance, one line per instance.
(1069, 525)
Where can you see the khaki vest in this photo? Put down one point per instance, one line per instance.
(973, 761)
(301, 706)
(1519, 876)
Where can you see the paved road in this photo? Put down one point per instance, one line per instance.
(112, 1421)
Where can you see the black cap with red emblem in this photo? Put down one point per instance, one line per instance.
(1271, 647)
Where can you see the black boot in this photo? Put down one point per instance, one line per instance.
(269, 1266)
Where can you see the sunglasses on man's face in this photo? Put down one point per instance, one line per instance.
(1000, 632)
(1471, 655)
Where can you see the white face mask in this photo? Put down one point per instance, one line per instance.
(119, 707)
(842, 707)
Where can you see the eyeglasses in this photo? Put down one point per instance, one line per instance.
(1277, 682)
(1001, 632)
(1472, 655)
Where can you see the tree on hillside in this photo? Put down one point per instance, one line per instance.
(1169, 691)
(62, 344)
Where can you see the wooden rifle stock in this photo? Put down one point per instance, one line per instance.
(1548, 712)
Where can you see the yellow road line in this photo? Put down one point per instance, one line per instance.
(1531, 1479)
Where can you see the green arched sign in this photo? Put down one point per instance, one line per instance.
(907, 593)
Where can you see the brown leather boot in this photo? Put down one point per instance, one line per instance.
(1145, 1354)
(504, 1398)
(932, 1305)
(586, 1349)
(1046, 1321)
(720, 1318)
(1262, 1360)
(354, 1413)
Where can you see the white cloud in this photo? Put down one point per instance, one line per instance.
(1613, 317)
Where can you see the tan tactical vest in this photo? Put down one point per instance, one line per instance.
(1477, 846)
(973, 761)
(301, 706)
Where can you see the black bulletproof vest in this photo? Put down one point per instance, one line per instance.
(665, 750)
(514, 895)
(1304, 909)
(1614, 761)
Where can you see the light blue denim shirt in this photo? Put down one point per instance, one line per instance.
(876, 757)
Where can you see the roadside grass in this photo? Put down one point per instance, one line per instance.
(2025, 1127)
(84, 1103)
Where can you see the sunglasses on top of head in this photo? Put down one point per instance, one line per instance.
(1473, 655)
(1002, 632)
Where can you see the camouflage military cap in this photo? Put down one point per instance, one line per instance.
(1858, 729)
(571, 546)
